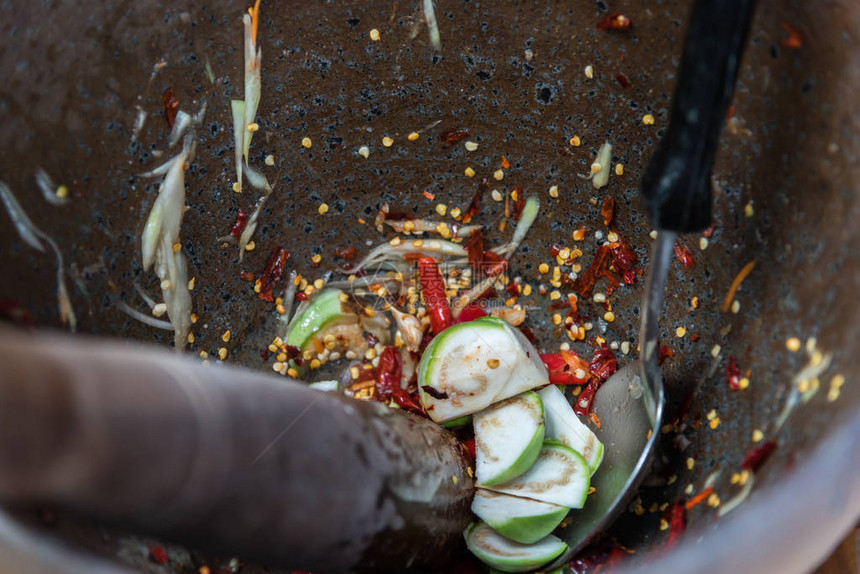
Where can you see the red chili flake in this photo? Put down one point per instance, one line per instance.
(273, 272)
(758, 456)
(475, 250)
(695, 337)
(607, 210)
(623, 80)
(264, 353)
(428, 195)
(345, 253)
(584, 285)
(292, 351)
(595, 419)
(733, 374)
(469, 444)
(553, 361)
(519, 203)
(300, 295)
(600, 556)
(15, 313)
(247, 276)
(614, 22)
(562, 368)
(158, 553)
(505, 163)
(730, 112)
(454, 135)
(474, 310)
(582, 407)
(664, 353)
(709, 231)
(171, 106)
(239, 226)
(794, 40)
(677, 524)
(603, 365)
(433, 291)
(476, 201)
(683, 255)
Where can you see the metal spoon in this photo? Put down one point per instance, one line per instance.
(678, 189)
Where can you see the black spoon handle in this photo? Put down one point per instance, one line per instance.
(677, 181)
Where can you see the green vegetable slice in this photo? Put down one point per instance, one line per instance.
(472, 365)
(506, 555)
(508, 438)
(325, 310)
(563, 425)
(521, 519)
(559, 476)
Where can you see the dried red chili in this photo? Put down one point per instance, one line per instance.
(733, 374)
(475, 250)
(273, 272)
(683, 255)
(623, 80)
(709, 231)
(758, 456)
(664, 353)
(301, 296)
(239, 226)
(345, 253)
(614, 22)
(158, 554)
(171, 106)
(433, 291)
(476, 200)
(454, 135)
(607, 210)
(599, 268)
(388, 374)
(247, 276)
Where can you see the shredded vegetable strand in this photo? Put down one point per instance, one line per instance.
(733, 289)
(253, 56)
(26, 229)
(389, 252)
(529, 214)
(49, 189)
(143, 317)
(34, 236)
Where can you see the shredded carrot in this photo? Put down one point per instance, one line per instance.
(505, 163)
(696, 500)
(595, 419)
(255, 19)
(429, 195)
(730, 296)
